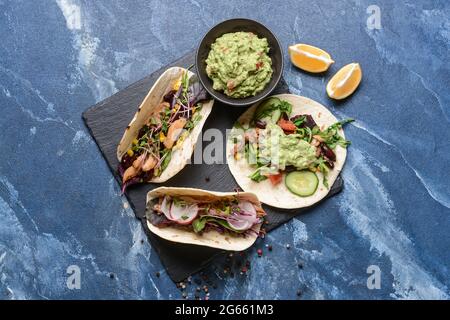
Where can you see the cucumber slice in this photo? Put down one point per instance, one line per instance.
(302, 183)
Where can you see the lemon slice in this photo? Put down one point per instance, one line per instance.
(310, 58)
(345, 81)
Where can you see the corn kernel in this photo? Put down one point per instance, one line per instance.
(162, 137)
(177, 84)
(181, 139)
(135, 142)
(130, 152)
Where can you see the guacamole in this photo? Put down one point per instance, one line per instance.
(285, 150)
(239, 65)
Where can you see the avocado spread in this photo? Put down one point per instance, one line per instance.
(239, 65)
(285, 150)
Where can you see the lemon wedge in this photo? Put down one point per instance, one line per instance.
(345, 81)
(310, 58)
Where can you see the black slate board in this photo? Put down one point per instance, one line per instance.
(107, 121)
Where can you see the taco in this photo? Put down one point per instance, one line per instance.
(161, 138)
(223, 220)
(288, 150)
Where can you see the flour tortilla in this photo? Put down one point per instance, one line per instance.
(181, 154)
(210, 238)
(279, 196)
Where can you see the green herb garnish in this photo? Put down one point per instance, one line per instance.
(257, 176)
(331, 136)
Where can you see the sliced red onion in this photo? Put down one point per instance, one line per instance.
(239, 225)
(247, 212)
(165, 208)
(184, 214)
(247, 207)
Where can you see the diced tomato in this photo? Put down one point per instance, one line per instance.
(275, 178)
(259, 64)
(287, 126)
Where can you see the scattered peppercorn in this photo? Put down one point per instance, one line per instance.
(111, 275)
(300, 266)
(259, 252)
(299, 293)
(158, 274)
(269, 247)
(207, 179)
(288, 246)
(244, 269)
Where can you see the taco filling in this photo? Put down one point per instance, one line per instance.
(233, 216)
(173, 120)
(277, 142)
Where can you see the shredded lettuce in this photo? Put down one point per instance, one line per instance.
(282, 105)
(199, 224)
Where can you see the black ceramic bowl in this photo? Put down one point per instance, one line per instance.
(235, 25)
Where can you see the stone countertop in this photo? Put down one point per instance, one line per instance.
(60, 206)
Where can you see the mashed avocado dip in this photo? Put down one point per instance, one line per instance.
(286, 150)
(239, 65)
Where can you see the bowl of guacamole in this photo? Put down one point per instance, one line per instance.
(239, 62)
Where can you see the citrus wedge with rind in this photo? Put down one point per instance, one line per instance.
(345, 81)
(310, 58)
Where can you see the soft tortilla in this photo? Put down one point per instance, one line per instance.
(279, 196)
(210, 238)
(181, 154)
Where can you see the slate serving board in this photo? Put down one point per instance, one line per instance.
(107, 121)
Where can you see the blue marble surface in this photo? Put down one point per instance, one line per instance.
(60, 206)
